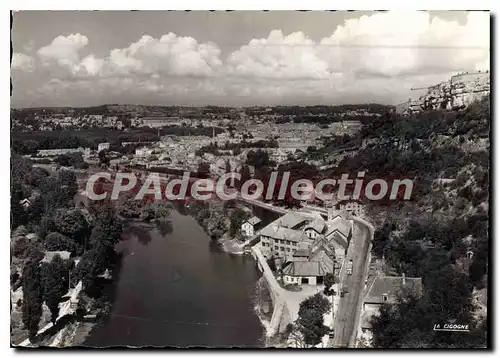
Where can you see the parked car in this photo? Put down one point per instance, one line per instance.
(349, 267)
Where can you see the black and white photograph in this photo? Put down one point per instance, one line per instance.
(250, 179)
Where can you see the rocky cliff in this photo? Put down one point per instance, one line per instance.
(456, 93)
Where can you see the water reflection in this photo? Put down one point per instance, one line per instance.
(141, 233)
(165, 227)
(180, 289)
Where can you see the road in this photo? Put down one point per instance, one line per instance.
(349, 308)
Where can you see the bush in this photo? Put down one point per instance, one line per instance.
(20, 246)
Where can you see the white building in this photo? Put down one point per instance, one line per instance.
(249, 226)
(103, 146)
(281, 237)
(49, 255)
(143, 152)
(312, 269)
(352, 206)
(298, 236)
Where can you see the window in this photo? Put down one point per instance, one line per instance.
(282, 248)
(287, 249)
(276, 247)
(386, 297)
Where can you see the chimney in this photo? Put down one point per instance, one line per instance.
(404, 279)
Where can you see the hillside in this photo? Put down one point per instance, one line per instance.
(441, 233)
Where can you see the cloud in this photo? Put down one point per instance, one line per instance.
(382, 44)
(22, 62)
(64, 50)
(170, 55)
(376, 57)
(293, 56)
(89, 66)
(407, 43)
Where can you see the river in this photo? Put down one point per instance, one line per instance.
(180, 290)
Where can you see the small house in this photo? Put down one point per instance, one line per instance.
(354, 207)
(385, 290)
(250, 226)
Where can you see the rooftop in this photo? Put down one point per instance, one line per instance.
(254, 220)
(304, 268)
(317, 225)
(291, 220)
(391, 286)
(282, 233)
(339, 224)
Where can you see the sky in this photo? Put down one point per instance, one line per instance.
(239, 58)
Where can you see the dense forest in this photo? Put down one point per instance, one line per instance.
(89, 233)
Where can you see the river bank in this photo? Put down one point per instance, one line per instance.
(221, 221)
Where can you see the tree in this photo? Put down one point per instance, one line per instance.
(105, 218)
(58, 242)
(329, 281)
(156, 211)
(73, 224)
(238, 216)
(204, 170)
(32, 298)
(92, 264)
(128, 207)
(33, 252)
(245, 176)
(317, 302)
(311, 325)
(54, 277)
(477, 270)
(58, 191)
(258, 159)
(17, 213)
(103, 158)
(447, 297)
(71, 160)
(19, 247)
(310, 320)
(67, 180)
